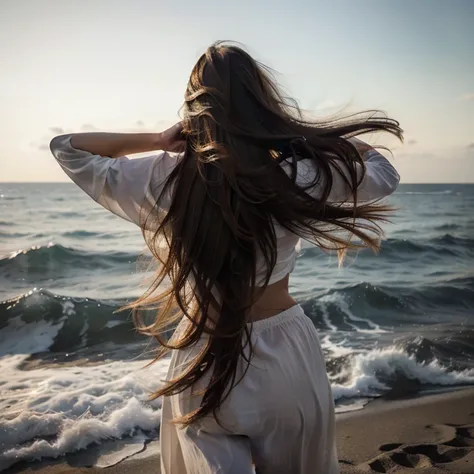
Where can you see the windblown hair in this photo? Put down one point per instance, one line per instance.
(228, 189)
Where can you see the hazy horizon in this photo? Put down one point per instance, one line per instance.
(102, 65)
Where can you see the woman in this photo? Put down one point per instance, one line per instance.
(224, 216)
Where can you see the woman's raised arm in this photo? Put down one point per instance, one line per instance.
(128, 188)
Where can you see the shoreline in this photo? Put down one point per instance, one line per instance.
(430, 433)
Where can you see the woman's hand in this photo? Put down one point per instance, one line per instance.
(116, 145)
(171, 139)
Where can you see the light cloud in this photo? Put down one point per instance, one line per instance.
(412, 142)
(57, 130)
(42, 144)
(468, 96)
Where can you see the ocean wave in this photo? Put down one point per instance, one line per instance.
(81, 234)
(448, 226)
(13, 235)
(376, 372)
(455, 350)
(12, 198)
(446, 245)
(40, 263)
(54, 260)
(386, 307)
(65, 409)
(362, 308)
(40, 321)
(449, 239)
(66, 215)
(397, 249)
(428, 193)
(400, 248)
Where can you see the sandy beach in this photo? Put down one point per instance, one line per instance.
(430, 434)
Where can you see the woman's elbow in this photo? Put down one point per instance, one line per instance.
(54, 143)
(58, 143)
(392, 183)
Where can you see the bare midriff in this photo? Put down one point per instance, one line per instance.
(274, 299)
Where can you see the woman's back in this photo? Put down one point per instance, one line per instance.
(224, 219)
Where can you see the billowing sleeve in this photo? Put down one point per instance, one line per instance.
(127, 188)
(380, 179)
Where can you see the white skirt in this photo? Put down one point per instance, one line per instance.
(280, 417)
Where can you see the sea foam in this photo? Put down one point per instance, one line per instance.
(70, 408)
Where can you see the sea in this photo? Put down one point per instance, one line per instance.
(73, 371)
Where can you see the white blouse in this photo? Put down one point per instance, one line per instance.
(129, 188)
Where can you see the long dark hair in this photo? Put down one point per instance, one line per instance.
(228, 189)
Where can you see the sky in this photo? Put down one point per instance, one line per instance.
(122, 65)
